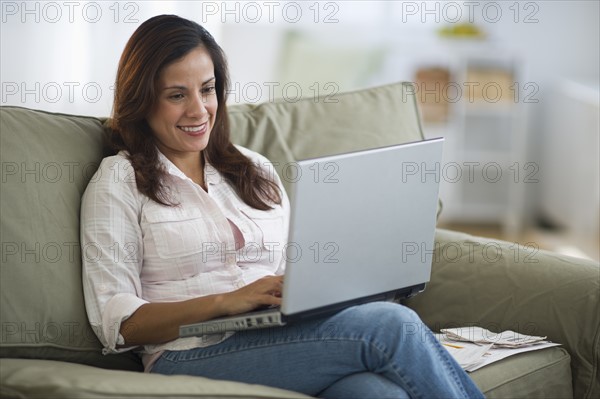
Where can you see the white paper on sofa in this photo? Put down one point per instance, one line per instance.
(475, 351)
(509, 339)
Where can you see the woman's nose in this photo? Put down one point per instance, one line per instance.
(197, 106)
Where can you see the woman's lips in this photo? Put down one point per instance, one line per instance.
(194, 130)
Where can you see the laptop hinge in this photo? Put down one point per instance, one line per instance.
(395, 295)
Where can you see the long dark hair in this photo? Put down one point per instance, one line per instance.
(156, 43)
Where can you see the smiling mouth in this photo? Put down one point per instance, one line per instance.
(196, 129)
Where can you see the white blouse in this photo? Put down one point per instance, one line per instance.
(136, 251)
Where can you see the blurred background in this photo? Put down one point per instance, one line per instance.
(512, 85)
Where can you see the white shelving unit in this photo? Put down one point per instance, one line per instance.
(485, 136)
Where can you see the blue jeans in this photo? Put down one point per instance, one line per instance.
(377, 350)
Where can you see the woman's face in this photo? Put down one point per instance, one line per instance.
(186, 108)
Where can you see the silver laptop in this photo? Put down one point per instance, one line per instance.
(362, 229)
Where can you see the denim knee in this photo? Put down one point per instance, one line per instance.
(389, 311)
(386, 316)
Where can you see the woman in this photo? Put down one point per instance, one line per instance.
(178, 187)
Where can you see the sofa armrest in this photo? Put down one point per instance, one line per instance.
(502, 286)
(29, 378)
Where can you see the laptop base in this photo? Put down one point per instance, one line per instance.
(272, 317)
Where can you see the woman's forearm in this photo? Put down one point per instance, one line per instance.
(156, 323)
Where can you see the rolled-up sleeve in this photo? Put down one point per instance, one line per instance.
(112, 250)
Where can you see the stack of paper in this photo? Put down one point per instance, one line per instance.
(478, 335)
(475, 347)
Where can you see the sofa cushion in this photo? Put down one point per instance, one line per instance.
(47, 160)
(286, 132)
(539, 374)
(24, 378)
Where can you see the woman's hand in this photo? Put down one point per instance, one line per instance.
(265, 291)
(155, 323)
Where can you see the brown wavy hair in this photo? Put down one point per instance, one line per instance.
(156, 43)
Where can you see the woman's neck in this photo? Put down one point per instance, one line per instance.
(191, 164)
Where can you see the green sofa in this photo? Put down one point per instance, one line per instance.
(49, 350)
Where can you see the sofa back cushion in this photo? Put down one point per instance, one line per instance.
(286, 132)
(48, 159)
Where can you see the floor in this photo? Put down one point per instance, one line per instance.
(553, 240)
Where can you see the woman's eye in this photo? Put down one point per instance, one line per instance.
(177, 96)
(208, 90)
